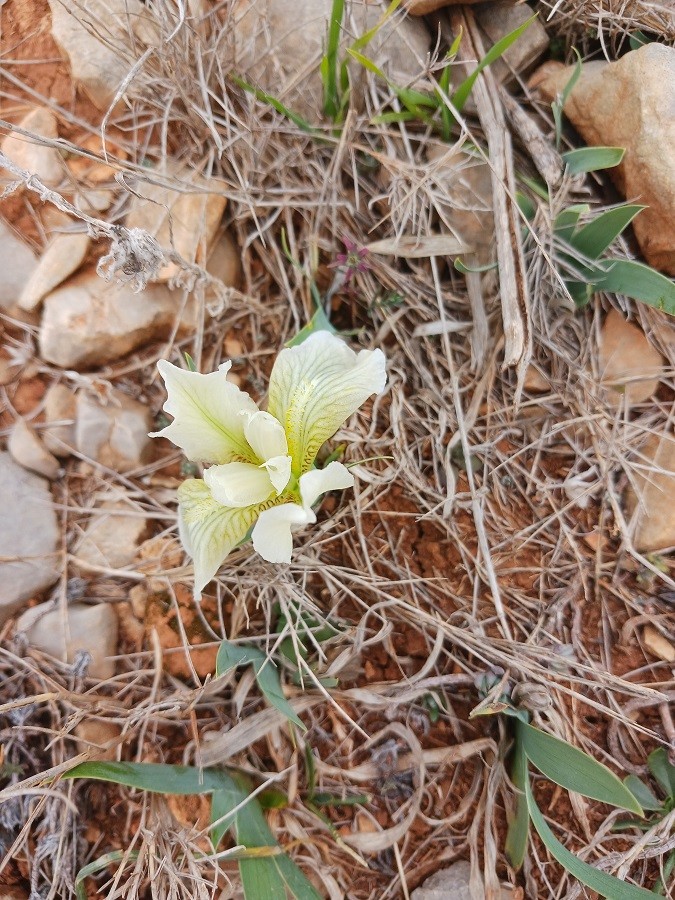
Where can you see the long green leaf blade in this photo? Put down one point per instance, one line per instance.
(269, 683)
(642, 793)
(594, 238)
(518, 832)
(462, 93)
(159, 778)
(559, 102)
(605, 885)
(662, 770)
(231, 655)
(574, 770)
(640, 282)
(592, 159)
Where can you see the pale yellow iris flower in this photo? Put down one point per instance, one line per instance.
(261, 464)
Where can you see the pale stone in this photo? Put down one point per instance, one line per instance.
(454, 883)
(60, 405)
(28, 451)
(184, 220)
(653, 497)
(89, 322)
(281, 53)
(423, 7)
(64, 255)
(631, 103)
(17, 264)
(535, 382)
(115, 436)
(628, 363)
(465, 197)
(40, 160)
(112, 536)
(225, 261)
(82, 627)
(98, 737)
(29, 536)
(98, 37)
(657, 644)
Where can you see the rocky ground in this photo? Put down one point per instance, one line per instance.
(513, 527)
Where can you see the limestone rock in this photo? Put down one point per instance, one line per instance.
(28, 451)
(465, 193)
(653, 498)
(627, 361)
(225, 261)
(64, 255)
(89, 322)
(115, 436)
(91, 628)
(454, 883)
(17, 264)
(281, 53)
(112, 536)
(631, 103)
(97, 37)
(184, 220)
(60, 405)
(422, 7)
(40, 160)
(99, 737)
(29, 536)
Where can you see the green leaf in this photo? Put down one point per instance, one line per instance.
(266, 877)
(318, 322)
(592, 159)
(329, 64)
(662, 770)
(605, 885)
(573, 769)
(464, 269)
(101, 863)
(567, 219)
(302, 124)
(266, 675)
(594, 238)
(642, 793)
(367, 37)
(518, 832)
(559, 102)
(638, 39)
(158, 778)
(462, 93)
(640, 282)
(536, 187)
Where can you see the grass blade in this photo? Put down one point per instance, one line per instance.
(518, 833)
(662, 770)
(462, 93)
(592, 159)
(101, 863)
(332, 102)
(302, 124)
(642, 793)
(605, 885)
(559, 103)
(574, 770)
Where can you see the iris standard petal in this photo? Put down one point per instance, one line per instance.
(266, 436)
(272, 537)
(207, 425)
(316, 386)
(313, 484)
(279, 470)
(209, 530)
(239, 484)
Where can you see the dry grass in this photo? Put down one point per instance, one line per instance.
(438, 572)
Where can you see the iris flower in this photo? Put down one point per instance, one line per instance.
(261, 464)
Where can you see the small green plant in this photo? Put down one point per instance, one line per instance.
(437, 109)
(663, 773)
(267, 873)
(566, 766)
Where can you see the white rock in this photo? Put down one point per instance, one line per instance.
(60, 405)
(628, 363)
(40, 160)
(184, 220)
(17, 264)
(112, 536)
(64, 255)
(281, 52)
(653, 498)
(28, 451)
(98, 38)
(89, 322)
(82, 627)
(631, 103)
(115, 436)
(29, 536)
(453, 883)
